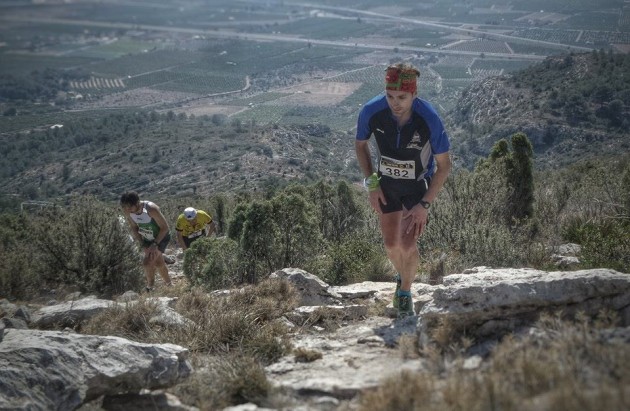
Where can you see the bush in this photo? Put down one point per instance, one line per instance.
(353, 260)
(88, 246)
(604, 243)
(19, 269)
(213, 263)
(467, 223)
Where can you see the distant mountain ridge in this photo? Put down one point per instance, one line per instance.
(570, 107)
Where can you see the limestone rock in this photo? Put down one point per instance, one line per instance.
(354, 358)
(70, 313)
(53, 370)
(487, 302)
(311, 289)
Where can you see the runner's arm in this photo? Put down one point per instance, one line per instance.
(180, 240)
(154, 212)
(364, 157)
(134, 228)
(443, 161)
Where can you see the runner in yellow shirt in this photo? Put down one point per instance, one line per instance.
(191, 225)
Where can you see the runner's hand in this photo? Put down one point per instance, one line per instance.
(377, 198)
(151, 252)
(416, 220)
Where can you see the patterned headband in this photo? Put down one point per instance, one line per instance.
(401, 80)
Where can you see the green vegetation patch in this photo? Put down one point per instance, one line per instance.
(115, 49)
(522, 48)
(19, 64)
(370, 74)
(203, 84)
(263, 114)
(362, 95)
(257, 58)
(452, 72)
(257, 99)
(564, 6)
(595, 20)
(145, 62)
(506, 65)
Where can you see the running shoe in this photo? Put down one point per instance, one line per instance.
(405, 306)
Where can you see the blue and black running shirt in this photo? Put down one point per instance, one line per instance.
(404, 153)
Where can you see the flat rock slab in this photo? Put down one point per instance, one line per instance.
(354, 358)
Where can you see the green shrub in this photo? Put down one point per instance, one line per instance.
(88, 246)
(353, 260)
(213, 263)
(19, 269)
(605, 244)
(467, 223)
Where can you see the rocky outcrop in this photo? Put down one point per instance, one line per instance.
(354, 348)
(484, 302)
(489, 302)
(354, 358)
(52, 370)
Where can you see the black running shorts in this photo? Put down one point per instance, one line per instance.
(402, 193)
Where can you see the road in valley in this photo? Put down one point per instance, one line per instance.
(225, 34)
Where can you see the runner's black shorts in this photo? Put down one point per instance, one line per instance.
(161, 246)
(402, 193)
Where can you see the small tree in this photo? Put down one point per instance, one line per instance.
(516, 167)
(213, 263)
(298, 237)
(88, 245)
(258, 239)
(521, 178)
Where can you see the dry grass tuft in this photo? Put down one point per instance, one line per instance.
(243, 322)
(449, 338)
(126, 320)
(223, 381)
(560, 365)
(408, 346)
(405, 392)
(305, 355)
(328, 318)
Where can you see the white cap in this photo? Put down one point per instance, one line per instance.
(190, 213)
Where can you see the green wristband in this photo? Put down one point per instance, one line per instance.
(371, 183)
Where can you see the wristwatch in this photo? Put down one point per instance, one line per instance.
(425, 204)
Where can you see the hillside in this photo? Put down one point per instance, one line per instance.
(168, 154)
(570, 107)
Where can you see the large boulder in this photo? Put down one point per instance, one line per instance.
(52, 370)
(488, 302)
